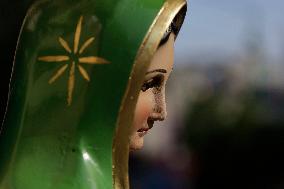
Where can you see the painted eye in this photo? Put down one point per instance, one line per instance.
(155, 82)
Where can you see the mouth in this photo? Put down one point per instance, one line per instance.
(143, 131)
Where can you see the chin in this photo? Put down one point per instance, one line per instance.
(136, 143)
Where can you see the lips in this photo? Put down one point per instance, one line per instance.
(143, 131)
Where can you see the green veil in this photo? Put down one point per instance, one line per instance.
(76, 77)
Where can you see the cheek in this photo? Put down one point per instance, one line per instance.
(143, 109)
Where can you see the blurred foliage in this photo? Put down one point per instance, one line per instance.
(237, 141)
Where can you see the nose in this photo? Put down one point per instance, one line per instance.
(160, 108)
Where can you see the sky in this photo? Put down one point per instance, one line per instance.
(222, 27)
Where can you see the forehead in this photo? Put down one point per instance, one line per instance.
(164, 56)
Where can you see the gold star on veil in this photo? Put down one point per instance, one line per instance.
(73, 63)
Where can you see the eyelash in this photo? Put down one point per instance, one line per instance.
(155, 82)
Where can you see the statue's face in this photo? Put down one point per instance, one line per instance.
(151, 105)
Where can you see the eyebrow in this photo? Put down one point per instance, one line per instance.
(157, 70)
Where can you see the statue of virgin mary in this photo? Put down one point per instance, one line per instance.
(78, 74)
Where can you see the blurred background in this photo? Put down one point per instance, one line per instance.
(225, 101)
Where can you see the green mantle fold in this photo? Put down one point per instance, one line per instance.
(71, 76)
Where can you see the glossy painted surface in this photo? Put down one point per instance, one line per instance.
(62, 111)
